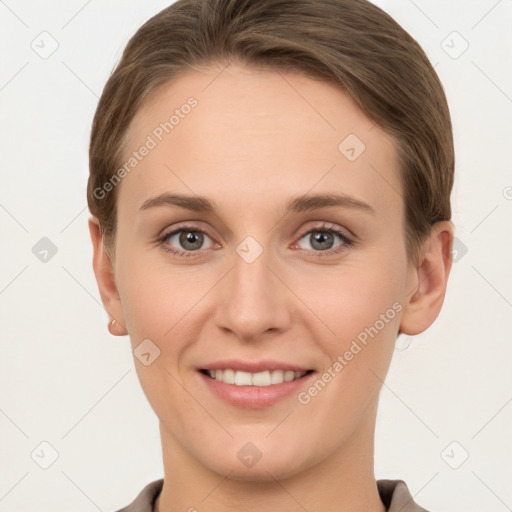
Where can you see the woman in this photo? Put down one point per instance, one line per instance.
(232, 141)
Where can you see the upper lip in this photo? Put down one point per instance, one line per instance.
(253, 366)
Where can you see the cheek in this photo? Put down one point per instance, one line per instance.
(155, 297)
(158, 305)
(354, 298)
(361, 306)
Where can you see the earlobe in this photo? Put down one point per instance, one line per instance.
(428, 281)
(105, 278)
(116, 329)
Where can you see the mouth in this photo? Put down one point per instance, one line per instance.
(259, 379)
(258, 390)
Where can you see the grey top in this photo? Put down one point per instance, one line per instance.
(394, 494)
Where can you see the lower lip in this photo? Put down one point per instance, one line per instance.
(255, 397)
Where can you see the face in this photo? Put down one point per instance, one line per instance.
(288, 254)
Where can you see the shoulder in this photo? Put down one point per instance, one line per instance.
(146, 498)
(396, 496)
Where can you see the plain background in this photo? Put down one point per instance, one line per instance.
(66, 382)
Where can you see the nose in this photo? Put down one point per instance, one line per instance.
(253, 298)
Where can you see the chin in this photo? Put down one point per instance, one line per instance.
(274, 466)
(261, 472)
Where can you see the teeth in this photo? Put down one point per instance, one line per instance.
(241, 378)
(266, 378)
(227, 376)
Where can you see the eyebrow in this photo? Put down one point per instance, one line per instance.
(295, 204)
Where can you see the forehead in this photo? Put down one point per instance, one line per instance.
(238, 133)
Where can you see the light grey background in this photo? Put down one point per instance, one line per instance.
(65, 381)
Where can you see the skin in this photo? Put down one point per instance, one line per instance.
(251, 144)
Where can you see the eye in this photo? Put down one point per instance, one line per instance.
(184, 241)
(322, 239)
(188, 241)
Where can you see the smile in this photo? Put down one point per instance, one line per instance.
(265, 378)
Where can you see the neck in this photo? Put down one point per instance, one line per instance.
(342, 482)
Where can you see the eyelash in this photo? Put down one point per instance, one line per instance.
(324, 228)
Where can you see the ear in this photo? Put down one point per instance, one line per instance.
(105, 277)
(428, 280)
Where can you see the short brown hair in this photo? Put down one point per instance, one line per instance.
(351, 43)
